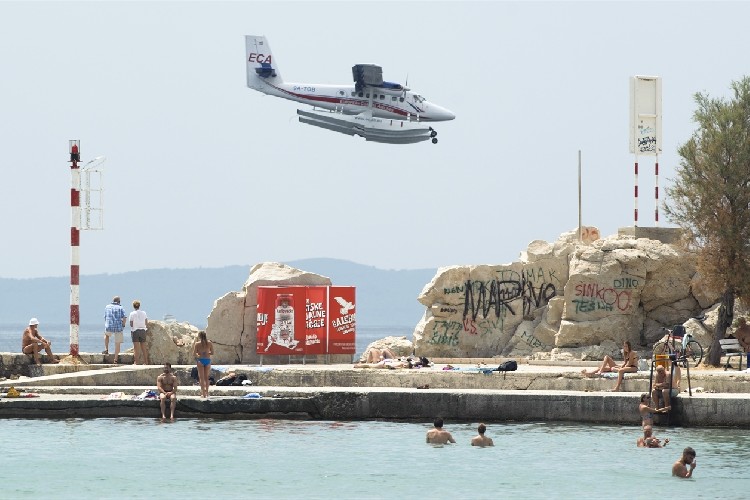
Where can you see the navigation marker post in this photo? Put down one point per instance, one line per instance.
(645, 129)
(76, 225)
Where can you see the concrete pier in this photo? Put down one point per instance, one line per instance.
(536, 392)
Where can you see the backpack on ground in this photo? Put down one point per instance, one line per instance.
(507, 366)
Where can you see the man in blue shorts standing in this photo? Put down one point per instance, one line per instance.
(114, 322)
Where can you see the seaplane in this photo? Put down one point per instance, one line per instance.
(372, 108)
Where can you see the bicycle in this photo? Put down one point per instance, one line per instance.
(685, 348)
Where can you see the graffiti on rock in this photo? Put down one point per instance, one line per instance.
(496, 297)
(617, 297)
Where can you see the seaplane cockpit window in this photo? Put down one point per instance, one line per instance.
(418, 98)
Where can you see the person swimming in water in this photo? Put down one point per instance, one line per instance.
(203, 349)
(438, 435)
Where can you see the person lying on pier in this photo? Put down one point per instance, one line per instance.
(32, 342)
(649, 440)
(389, 363)
(375, 355)
(629, 365)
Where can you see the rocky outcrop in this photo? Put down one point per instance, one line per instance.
(170, 342)
(562, 297)
(400, 346)
(232, 324)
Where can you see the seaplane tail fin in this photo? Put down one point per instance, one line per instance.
(261, 65)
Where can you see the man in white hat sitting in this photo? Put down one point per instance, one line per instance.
(33, 342)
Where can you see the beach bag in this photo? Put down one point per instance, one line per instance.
(678, 331)
(507, 366)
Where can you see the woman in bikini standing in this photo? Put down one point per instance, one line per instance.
(629, 365)
(203, 349)
(647, 412)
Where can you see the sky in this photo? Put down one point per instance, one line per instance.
(201, 171)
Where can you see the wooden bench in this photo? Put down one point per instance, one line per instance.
(729, 348)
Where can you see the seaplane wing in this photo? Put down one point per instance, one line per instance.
(372, 108)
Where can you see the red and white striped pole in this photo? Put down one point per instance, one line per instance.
(656, 191)
(75, 233)
(635, 210)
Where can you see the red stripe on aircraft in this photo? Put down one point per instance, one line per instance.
(346, 100)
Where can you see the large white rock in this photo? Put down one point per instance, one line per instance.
(561, 297)
(170, 342)
(226, 328)
(475, 310)
(400, 346)
(232, 323)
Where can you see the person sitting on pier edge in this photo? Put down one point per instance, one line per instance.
(166, 384)
(742, 334)
(32, 342)
(665, 393)
(629, 365)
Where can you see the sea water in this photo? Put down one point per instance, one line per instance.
(91, 337)
(268, 458)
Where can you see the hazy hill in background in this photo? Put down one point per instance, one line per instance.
(384, 297)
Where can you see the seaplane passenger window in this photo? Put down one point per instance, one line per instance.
(401, 99)
(393, 98)
(341, 92)
(367, 95)
(354, 94)
(360, 94)
(382, 97)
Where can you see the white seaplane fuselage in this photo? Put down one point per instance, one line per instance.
(381, 102)
(371, 108)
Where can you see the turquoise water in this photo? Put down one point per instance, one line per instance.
(200, 459)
